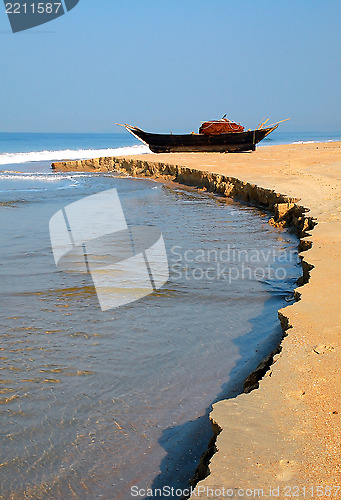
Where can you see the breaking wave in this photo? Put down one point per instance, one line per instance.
(38, 176)
(307, 142)
(70, 154)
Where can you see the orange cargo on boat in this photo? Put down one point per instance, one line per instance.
(217, 127)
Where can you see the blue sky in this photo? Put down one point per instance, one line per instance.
(167, 65)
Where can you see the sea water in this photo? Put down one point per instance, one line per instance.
(94, 403)
(26, 147)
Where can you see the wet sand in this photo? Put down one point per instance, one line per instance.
(287, 432)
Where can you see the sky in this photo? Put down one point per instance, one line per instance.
(167, 65)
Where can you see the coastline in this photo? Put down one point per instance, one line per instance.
(287, 432)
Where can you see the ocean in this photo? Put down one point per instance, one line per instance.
(96, 402)
(27, 147)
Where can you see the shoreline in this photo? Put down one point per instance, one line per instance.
(285, 433)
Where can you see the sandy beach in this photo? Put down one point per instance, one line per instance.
(285, 434)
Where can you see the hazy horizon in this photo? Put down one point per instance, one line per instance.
(114, 132)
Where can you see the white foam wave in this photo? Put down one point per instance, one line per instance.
(305, 142)
(22, 176)
(316, 142)
(70, 154)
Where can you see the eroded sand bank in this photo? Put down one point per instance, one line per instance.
(287, 432)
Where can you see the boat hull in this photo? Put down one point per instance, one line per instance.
(223, 143)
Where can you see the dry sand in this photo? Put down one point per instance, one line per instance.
(288, 432)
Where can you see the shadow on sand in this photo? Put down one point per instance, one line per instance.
(185, 444)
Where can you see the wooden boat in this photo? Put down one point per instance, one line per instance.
(222, 142)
